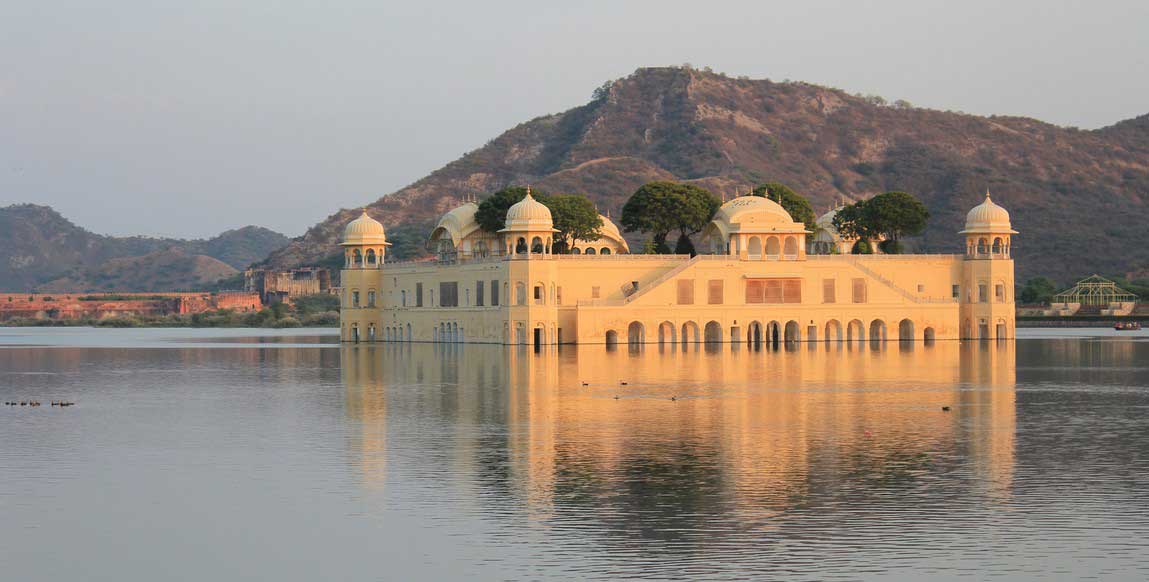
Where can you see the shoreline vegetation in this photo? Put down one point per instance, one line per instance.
(306, 311)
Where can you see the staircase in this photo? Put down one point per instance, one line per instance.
(666, 276)
(888, 283)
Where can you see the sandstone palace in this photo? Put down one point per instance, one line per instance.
(761, 278)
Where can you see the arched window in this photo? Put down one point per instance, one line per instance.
(520, 294)
(791, 249)
(604, 251)
(371, 298)
(403, 294)
(590, 250)
(576, 251)
(358, 258)
(773, 248)
(371, 257)
(981, 246)
(537, 246)
(520, 246)
(754, 248)
(997, 247)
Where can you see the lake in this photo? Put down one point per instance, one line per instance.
(282, 455)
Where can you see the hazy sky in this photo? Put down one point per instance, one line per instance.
(188, 118)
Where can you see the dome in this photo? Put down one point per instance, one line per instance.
(364, 231)
(754, 214)
(457, 224)
(529, 214)
(610, 229)
(987, 217)
(826, 221)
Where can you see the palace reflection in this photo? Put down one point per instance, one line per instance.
(742, 436)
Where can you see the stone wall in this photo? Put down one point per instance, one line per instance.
(104, 305)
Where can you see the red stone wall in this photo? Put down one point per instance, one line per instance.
(75, 306)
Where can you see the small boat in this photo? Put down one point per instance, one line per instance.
(1127, 326)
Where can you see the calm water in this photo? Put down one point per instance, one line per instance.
(234, 454)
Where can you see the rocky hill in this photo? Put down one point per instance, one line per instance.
(1078, 197)
(40, 249)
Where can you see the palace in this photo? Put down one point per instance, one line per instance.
(758, 281)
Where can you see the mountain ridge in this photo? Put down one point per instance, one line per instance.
(44, 250)
(728, 134)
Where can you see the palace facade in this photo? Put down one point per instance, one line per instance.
(757, 281)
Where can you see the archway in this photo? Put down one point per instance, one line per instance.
(855, 331)
(791, 248)
(371, 257)
(773, 248)
(928, 335)
(793, 333)
(635, 333)
(1002, 330)
(877, 331)
(754, 248)
(713, 333)
(774, 333)
(604, 251)
(611, 338)
(983, 330)
(537, 246)
(834, 331)
(666, 333)
(967, 330)
(754, 334)
(589, 251)
(690, 333)
(906, 330)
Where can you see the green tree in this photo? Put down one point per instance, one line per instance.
(661, 207)
(848, 222)
(575, 218)
(862, 247)
(894, 215)
(1038, 290)
(794, 203)
(492, 212)
(574, 215)
(684, 246)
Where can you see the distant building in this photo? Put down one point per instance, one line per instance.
(276, 286)
(1093, 295)
(68, 306)
(758, 285)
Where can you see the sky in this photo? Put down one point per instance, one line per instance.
(189, 118)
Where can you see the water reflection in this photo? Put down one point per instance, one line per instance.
(690, 448)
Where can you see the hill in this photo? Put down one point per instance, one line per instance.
(39, 248)
(1078, 197)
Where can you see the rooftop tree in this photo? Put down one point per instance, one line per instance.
(575, 218)
(658, 208)
(895, 215)
(890, 215)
